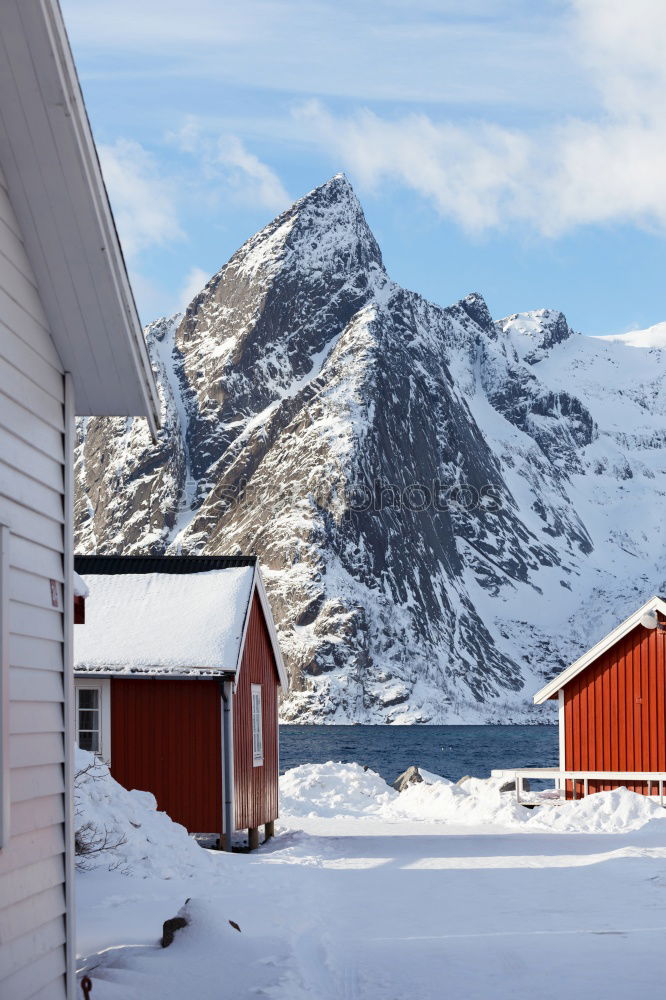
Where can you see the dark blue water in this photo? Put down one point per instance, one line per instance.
(448, 750)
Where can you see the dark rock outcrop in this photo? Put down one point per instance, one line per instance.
(412, 776)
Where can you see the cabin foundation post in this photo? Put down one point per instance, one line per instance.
(253, 838)
(228, 796)
(269, 830)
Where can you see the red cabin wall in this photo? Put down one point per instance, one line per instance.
(165, 738)
(615, 711)
(256, 787)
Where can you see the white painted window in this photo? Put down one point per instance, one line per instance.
(89, 722)
(93, 717)
(257, 727)
(4, 685)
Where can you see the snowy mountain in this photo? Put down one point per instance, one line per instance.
(447, 509)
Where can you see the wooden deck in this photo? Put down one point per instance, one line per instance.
(560, 777)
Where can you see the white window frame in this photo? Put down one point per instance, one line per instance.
(257, 726)
(103, 686)
(5, 805)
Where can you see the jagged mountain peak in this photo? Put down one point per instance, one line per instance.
(330, 211)
(337, 188)
(322, 235)
(477, 309)
(530, 334)
(319, 228)
(329, 222)
(435, 497)
(160, 328)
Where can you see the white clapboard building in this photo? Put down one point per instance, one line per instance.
(70, 343)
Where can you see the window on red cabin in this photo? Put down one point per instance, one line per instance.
(257, 727)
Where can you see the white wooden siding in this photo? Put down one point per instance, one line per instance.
(32, 504)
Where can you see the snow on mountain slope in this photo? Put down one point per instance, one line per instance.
(653, 336)
(447, 509)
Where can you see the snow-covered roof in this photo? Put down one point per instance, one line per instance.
(183, 624)
(563, 678)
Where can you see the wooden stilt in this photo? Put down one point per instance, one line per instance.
(269, 830)
(253, 838)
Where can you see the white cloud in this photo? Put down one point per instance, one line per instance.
(606, 163)
(143, 200)
(622, 44)
(226, 160)
(148, 202)
(194, 282)
(611, 168)
(249, 177)
(468, 173)
(434, 51)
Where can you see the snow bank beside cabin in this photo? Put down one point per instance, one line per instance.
(479, 802)
(342, 791)
(617, 811)
(141, 841)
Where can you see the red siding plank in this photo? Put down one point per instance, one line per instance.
(615, 711)
(657, 655)
(165, 739)
(622, 714)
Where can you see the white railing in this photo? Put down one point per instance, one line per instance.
(561, 776)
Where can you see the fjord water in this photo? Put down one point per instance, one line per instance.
(452, 751)
(448, 750)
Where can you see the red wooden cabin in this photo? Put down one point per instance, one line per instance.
(177, 674)
(612, 708)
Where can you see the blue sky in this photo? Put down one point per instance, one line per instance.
(513, 148)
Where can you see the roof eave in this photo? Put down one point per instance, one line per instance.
(259, 588)
(654, 604)
(156, 673)
(52, 169)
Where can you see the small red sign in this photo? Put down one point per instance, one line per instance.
(55, 600)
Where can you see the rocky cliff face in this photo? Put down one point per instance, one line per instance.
(447, 509)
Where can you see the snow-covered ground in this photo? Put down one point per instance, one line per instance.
(441, 891)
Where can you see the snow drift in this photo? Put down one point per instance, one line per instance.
(618, 811)
(333, 790)
(477, 802)
(341, 791)
(141, 841)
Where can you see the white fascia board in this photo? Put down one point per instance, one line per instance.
(272, 631)
(259, 588)
(57, 191)
(563, 678)
(246, 623)
(166, 674)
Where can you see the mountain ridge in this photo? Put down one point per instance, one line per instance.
(419, 481)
